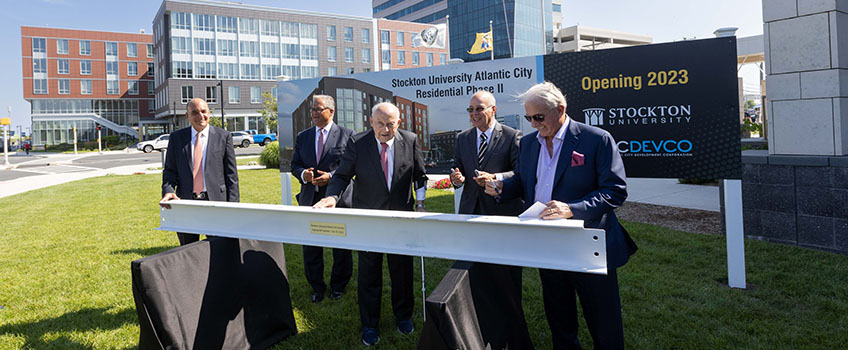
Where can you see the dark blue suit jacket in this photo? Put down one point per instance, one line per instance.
(304, 158)
(591, 190)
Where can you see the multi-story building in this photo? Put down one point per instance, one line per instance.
(511, 120)
(442, 145)
(520, 27)
(398, 47)
(82, 78)
(583, 38)
(413, 117)
(230, 54)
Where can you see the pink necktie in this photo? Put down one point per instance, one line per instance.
(384, 161)
(320, 145)
(197, 166)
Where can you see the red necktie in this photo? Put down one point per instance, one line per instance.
(320, 146)
(384, 161)
(197, 166)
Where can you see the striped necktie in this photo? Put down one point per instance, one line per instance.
(482, 151)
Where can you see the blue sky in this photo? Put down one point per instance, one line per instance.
(664, 20)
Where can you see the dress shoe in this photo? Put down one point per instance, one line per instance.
(317, 297)
(370, 336)
(405, 327)
(336, 294)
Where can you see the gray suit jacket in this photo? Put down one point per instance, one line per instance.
(362, 161)
(501, 157)
(220, 174)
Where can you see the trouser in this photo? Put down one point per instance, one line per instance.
(370, 286)
(600, 302)
(188, 238)
(313, 265)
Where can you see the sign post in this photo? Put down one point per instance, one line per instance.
(5, 122)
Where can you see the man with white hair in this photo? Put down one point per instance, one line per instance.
(576, 171)
(386, 163)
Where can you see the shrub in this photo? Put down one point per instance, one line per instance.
(270, 156)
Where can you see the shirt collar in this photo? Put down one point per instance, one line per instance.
(389, 142)
(327, 128)
(204, 132)
(488, 131)
(560, 135)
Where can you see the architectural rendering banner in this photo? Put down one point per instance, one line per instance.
(672, 108)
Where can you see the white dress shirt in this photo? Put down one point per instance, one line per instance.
(203, 141)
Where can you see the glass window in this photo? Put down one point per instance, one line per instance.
(151, 88)
(250, 71)
(211, 94)
(226, 24)
(132, 68)
(248, 49)
(64, 66)
(308, 72)
(270, 50)
(181, 69)
(112, 68)
(132, 50)
(150, 69)
(401, 58)
(308, 31)
(331, 53)
(39, 65)
(132, 87)
(62, 46)
(291, 50)
(384, 37)
(203, 22)
(350, 70)
(39, 45)
(270, 71)
(443, 59)
(429, 59)
(39, 86)
(386, 56)
(204, 70)
(227, 47)
(270, 27)
(228, 71)
(309, 52)
(149, 50)
(85, 47)
(180, 45)
(187, 93)
(331, 71)
(366, 35)
(348, 54)
(415, 59)
(292, 72)
(290, 29)
(151, 107)
(331, 33)
(400, 38)
(248, 26)
(366, 55)
(111, 49)
(348, 34)
(180, 20)
(204, 46)
(234, 94)
(112, 87)
(64, 86)
(85, 67)
(85, 87)
(255, 94)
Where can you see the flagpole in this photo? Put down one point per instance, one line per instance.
(447, 34)
(493, 40)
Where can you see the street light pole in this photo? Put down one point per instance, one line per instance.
(223, 121)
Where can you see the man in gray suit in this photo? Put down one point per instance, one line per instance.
(386, 163)
(317, 153)
(200, 163)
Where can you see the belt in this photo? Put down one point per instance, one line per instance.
(200, 196)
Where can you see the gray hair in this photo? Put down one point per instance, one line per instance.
(487, 96)
(545, 92)
(328, 100)
(377, 106)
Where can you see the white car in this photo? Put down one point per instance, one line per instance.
(242, 139)
(158, 144)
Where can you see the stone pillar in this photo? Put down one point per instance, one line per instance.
(806, 52)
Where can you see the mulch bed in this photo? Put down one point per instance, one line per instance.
(689, 220)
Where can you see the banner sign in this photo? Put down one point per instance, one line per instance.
(672, 108)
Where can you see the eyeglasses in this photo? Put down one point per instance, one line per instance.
(478, 109)
(538, 117)
(318, 110)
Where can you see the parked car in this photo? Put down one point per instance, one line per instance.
(158, 144)
(261, 139)
(242, 139)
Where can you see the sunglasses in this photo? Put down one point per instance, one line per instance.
(318, 110)
(538, 117)
(478, 109)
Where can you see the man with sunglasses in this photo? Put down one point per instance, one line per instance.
(489, 151)
(317, 154)
(576, 170)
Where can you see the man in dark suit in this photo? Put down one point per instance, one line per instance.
(576, 170)
(204, 170)
(491, 149)
(317, 153)
(386, 163)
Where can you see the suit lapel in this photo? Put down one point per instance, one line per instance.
(400, 154)
(372, 154)
(497, 138)
(332, 138)
(310, 146)
(187, 150)
(535, 148)
(569, 144)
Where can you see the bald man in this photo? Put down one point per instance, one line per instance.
(200, 163)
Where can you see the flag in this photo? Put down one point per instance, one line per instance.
(433, 37)
(482, 44)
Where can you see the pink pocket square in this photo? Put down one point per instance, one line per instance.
(576, 159)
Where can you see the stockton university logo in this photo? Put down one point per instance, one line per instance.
(594, 116)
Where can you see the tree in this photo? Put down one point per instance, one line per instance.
(750, 104)
(269, 110)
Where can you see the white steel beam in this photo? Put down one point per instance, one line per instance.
(552, 244)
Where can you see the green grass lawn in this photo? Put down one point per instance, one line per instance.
(65, 254)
